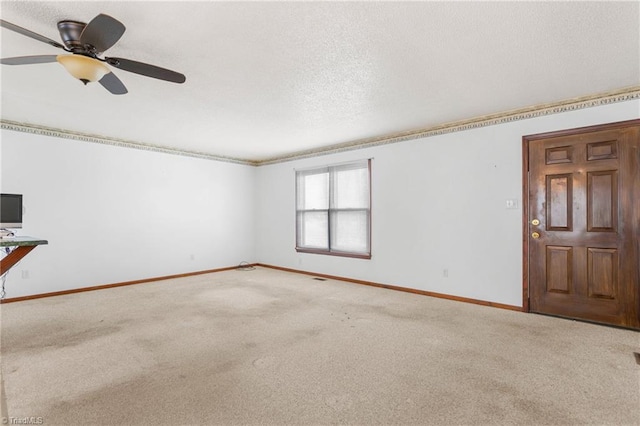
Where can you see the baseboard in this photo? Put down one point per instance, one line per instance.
(122, 284)
(398, 288)
(209, 271)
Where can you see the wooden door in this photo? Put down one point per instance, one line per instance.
(584, 224)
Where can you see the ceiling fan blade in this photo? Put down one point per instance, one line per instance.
(27, 60)
(113, 84)
(146, 70)
(25, 32)
(102, 32)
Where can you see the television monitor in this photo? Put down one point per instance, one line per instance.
(10, 210)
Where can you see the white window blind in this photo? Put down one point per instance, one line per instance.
(333, 209)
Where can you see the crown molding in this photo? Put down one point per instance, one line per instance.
(85, 137)
(621, 95)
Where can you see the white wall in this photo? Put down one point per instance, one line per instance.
(438, 203)
(115, 214)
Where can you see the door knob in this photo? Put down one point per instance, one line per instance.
(535, 222)
(535, 235)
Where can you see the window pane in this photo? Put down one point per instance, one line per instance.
(313, 191)
(333, 208)
(351, 187)
(350, 231)
(313, 230)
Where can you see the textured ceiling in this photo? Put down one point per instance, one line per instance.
(267, 79)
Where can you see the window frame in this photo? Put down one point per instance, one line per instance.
(329, 212)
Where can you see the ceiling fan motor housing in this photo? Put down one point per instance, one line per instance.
(70, 32)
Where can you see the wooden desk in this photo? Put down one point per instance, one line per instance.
(23, 245)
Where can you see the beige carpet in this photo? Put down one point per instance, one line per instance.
(271, 347)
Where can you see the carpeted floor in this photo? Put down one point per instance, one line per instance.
(272, 347)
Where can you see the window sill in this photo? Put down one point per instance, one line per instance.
(334, 253)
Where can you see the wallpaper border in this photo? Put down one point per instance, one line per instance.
(621, 95)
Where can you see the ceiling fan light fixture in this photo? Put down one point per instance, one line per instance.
(85, 42)
(83, 68)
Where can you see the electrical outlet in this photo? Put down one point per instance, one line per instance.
(25, 274)
(445, 273)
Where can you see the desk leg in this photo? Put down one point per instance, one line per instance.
(14, 257)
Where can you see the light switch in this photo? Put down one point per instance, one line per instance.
(512, 203)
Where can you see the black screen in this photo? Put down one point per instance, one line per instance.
(11, 208)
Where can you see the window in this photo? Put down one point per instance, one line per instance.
(333, 210)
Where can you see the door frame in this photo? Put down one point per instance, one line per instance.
(526, 140)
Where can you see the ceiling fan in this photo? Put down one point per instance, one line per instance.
(85, 42)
